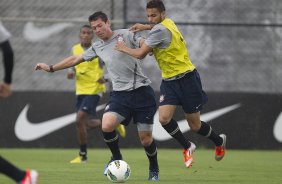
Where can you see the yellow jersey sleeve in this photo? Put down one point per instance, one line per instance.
(87, 75)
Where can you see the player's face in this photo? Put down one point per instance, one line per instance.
(154, 15)
(86, 36)
(101, 29)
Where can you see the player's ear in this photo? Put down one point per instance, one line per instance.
(163, 14)
(108, 22)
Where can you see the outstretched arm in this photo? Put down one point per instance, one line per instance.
(65, 63)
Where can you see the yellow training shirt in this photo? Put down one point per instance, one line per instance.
(174, 59)
(87, 75)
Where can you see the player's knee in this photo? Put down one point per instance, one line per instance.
(146, 141)
(81, 118)
(107, 127)
(164, 120)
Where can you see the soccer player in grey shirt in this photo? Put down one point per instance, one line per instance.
(131, 98)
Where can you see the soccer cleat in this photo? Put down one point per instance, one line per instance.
(154, 176)
(188, 155)
(121, 130)
(79, 160)
(220, 150)
(31, 177)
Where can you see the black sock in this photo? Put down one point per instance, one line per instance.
(152, 154)
(83, 150)
(111, 139)
(206, 130)
(173, 129)
(11, 171)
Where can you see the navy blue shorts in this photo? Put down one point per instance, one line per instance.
(186, 92)
(139, 105)
(87, 103)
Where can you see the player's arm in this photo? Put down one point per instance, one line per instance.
(138, 53)
(140, 27)
(65, 63)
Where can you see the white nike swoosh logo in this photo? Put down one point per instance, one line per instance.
(160, 134)
(27, 131)
(277, 128)
(34, 34)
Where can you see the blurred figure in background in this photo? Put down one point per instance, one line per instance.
(7, 168)
(8, 61)
(89, 89)
(181, 84)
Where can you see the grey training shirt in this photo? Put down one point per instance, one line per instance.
(159, 37)
(125, 71)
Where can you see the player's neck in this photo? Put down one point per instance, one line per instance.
(109, 35)
(85, 45)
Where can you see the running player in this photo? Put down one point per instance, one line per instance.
(89, 89)
(181, 84)
(131, 98)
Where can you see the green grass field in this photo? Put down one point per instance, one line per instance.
(259, 167)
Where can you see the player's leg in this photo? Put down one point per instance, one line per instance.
(86, 108)
(143, 115)
(109, 123)
(204, 129)
(150, 148)
(193, 98)
(171, 126)
(8, 60)
(18, 175)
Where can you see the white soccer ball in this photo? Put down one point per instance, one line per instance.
(118, 171)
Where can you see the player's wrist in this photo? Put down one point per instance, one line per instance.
(149, 26)
(51, 69)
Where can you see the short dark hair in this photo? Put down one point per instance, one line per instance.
(85, 26)
(158, 4)
(97, 15)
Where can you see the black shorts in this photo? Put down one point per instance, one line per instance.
(87, 103)
(186, 92)
(139, 105)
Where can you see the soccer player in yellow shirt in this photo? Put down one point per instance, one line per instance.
(181, 83)
(89, 89)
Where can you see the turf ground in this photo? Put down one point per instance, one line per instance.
(259, 167)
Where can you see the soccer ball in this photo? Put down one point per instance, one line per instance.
(118, 171)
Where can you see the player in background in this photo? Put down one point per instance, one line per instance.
(89, 89)
(18, 175)
(8, 61)
(131, 98)
(181, 83)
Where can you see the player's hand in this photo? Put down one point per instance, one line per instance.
(139, 27)
(101, 80)
(42, 66)
(120, 46)
(71, 73)
(5, 90)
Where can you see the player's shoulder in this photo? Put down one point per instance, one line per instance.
(97, 43)
(122, 31)
(159, 28)
(76, 45)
